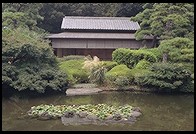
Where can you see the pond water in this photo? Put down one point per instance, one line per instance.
(161, 112)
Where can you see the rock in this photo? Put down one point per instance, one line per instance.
(92, 117)
(117, 117)
(45, 116)
(132, 118)
(109, 118)
(68, 114)
(136, 109)
(136, 114)
(82, 114)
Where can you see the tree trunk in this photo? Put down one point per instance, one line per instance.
(165, 56)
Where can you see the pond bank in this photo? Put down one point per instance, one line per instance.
(88, 89)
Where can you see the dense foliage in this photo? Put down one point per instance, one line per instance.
(29, 63)
(165, 76)
(119, 76)
(142, 64)
(178, 49)
(73, 57)
(166, 20)
(132, 57)
(48, 16)
(109, 64)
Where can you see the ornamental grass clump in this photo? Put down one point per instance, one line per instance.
(96, 68)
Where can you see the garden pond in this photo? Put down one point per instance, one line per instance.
(161, 112)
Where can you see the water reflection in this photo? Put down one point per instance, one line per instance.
(160, 112)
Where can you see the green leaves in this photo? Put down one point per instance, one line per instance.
(165, 76)
(102, 111)
(179, 49)
(165, 20)
(29, 63)
(132, 57)
(119, 76)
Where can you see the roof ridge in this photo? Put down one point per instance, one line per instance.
(90, 17)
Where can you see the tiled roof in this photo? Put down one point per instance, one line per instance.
(99, 23)
(92, 35)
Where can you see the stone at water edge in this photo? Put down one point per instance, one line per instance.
(92, 117)
(82, 114)
(45, 116)
(136, 114)
(117, 117)
(69, 114)
(136, 109)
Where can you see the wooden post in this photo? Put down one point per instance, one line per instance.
(59, 52)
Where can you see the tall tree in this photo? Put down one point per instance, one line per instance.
(128, 9)
(17, 14)
(166, 20)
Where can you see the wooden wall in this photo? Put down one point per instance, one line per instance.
(94, 47)
(99, 43)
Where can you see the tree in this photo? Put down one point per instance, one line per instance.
(29, 63)
(177, 50)
(17, 14)
(128, 9)
(166, 21)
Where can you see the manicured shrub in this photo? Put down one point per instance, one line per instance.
(165, 76)
(121, 81)
(137, 73)
(109, 64)
(74, 70)
(132, 57)
(143, 64)
(156, 52)
(119, 71)
(73, 57)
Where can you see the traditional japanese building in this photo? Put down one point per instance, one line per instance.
(96, 36)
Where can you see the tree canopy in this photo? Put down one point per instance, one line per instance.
(48, 16)
(166, 20)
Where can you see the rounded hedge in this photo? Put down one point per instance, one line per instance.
(120, 75)
(132, 57)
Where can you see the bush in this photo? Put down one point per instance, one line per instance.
(74, 70)
(121, 81)
(137, 73)
(132, 57)
(156, 52)
(96, 69)
(38, 78)
(73, 57)
(109, 64)
(143, 64)
(29, 63)
(121, 71)
(165, 76)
